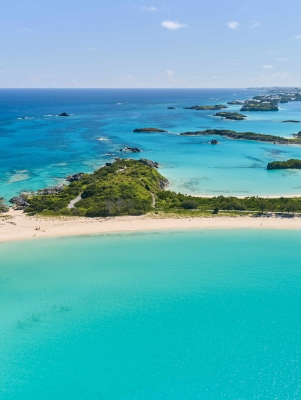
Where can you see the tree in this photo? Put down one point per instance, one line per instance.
(189, 204)
(261, 204)
(291, 207)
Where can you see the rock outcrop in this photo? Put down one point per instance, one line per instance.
(75, 177)
(150, 163)
(51, 190)
(131, 150)
(64, 115)
(19, 201)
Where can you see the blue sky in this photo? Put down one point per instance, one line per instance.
(194, 44)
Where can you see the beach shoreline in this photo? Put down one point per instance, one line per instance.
(16, 225)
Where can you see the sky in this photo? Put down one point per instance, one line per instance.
(150, 44)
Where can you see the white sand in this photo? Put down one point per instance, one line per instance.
(17, 226)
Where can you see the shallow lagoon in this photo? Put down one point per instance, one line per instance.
(168, 315)
(43, 149)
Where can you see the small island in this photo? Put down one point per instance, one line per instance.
(64, 115)
(289, 164)
(171, 108)
(131, 150)
(293, 121)
(245, 136)
(260, 105)
(231, 115)
(148, 130)
(204, 108)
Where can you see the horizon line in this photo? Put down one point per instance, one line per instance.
(145, 88)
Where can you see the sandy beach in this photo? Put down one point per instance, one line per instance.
(17, 226)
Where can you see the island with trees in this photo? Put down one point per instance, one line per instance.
(231, 115)
(245, 136)
(289, 164)
(260, 105)
(205, 108)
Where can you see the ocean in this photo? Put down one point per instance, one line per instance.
(209, 314)
(42, 149)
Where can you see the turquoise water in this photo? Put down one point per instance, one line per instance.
(43, 149)
(183, 315)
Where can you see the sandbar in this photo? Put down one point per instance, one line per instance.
(15, 225)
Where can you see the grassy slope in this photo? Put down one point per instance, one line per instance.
(124, 188)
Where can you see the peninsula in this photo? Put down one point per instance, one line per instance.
(131, 188)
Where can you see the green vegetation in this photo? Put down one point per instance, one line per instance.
(231, 115)
(3, 207)
(129, 187)
(245, 135)
(171, 202)
(203, 108)
(259, 105)
(125, 187)
(289, 164)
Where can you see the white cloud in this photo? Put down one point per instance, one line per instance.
(233, 24)
(267, 66)
(298, 37)
(281, 75)
(169, 74)
(254, 24)
(270, 52)
(92, 48)
(172, 25)
(214, 77)
(281, 59)
(149, 9)
(236, 64)
(200, 77)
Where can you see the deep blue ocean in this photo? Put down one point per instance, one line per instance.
(188, 315)
(42, 149)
